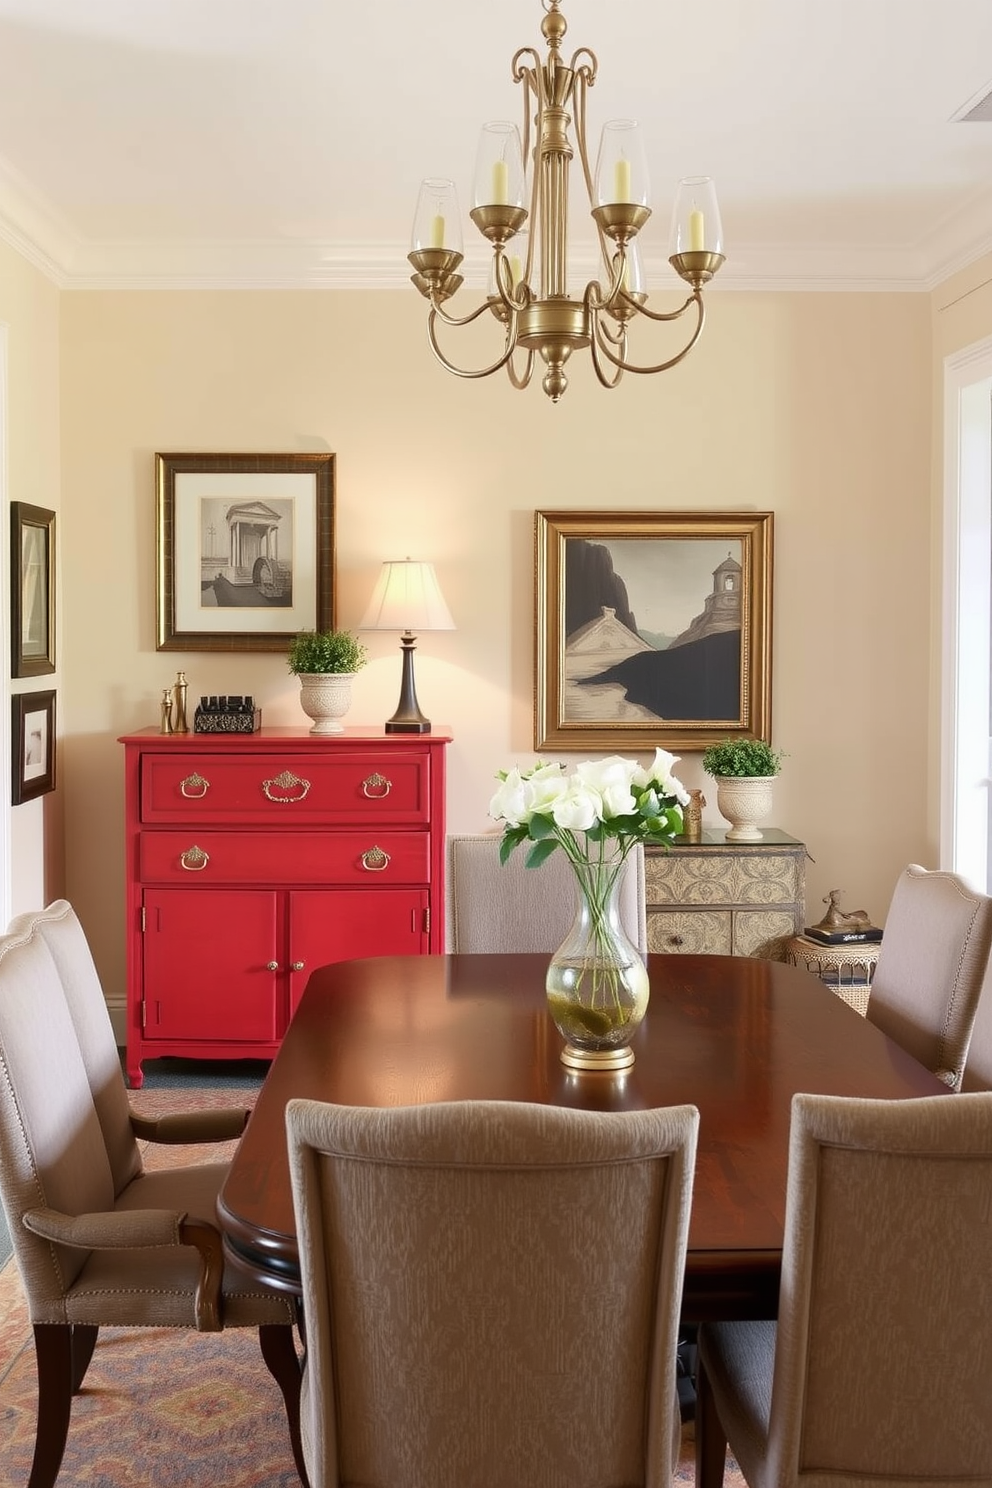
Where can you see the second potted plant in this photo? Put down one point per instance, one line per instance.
(325, 662)
(743, 770)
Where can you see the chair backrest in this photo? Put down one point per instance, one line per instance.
(492, 1291)
(59, 926)
(499, 907)
(885, 1310)
(52, 1148)
(978, 1067)
(930, 968)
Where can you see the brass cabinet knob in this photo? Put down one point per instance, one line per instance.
(297, 965)
(272, 965)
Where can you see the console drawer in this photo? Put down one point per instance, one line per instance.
(365, 857)
(285, 789)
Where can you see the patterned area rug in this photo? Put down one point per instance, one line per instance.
(167, 1408)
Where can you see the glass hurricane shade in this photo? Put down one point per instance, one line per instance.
(437, 222)
(696, 225)
(499, 167)
(622, 167)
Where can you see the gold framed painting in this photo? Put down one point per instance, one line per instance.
(652, 629)
(244, 550)
(32, 590)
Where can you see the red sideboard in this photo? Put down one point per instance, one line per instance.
(253, 858)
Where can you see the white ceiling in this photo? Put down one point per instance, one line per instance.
(281, 142)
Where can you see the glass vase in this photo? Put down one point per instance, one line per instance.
(597, 983)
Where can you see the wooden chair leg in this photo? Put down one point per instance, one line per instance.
(84, 1337)
(53, 1347)
(711, 1439)
(279, 1352)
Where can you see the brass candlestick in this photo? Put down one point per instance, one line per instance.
(181, 726)
(166, 725)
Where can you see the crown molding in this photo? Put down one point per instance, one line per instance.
(75, 263)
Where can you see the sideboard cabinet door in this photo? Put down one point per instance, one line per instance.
(252, 859)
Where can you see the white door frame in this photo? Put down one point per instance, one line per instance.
(966, 646)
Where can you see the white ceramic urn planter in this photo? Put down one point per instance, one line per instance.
(326, 697)
(744, 800)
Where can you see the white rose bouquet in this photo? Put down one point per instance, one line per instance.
(595, 815)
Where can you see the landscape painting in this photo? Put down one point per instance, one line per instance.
(652, 628)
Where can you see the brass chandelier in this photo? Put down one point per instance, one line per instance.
(545, 320)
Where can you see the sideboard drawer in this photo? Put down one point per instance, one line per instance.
(369, 858)
(284, 789)
(702, 933)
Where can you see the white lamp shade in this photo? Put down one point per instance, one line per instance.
(407, 596)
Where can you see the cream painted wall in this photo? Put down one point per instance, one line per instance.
(29, 307)
(815, 407)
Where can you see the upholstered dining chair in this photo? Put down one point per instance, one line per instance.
(98, 1241)
(978, 1066)
(497, 907)
(875, 1373)
(930, 968)
(492, 1292)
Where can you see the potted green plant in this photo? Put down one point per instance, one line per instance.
(743, 770)
(325, 662)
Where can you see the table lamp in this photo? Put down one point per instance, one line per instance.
(407, 597)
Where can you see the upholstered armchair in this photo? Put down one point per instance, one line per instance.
(99, 1241)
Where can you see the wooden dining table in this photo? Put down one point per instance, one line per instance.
(734, 1036)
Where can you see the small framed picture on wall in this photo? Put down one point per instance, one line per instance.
(32, 590)
(32, 736)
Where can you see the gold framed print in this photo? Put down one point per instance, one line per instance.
(653, 629)
(244, 550)
(32, 590)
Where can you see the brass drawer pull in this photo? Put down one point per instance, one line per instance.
(374, 860)
(376, 787)
(197, 787)
(285, 782)
(194, 859)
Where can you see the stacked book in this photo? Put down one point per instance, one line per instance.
(857, 934)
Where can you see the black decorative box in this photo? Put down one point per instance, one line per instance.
(227, 715)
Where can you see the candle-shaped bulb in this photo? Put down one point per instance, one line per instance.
(697, 232)
(621, 181)
(437, 231)
(501, 183)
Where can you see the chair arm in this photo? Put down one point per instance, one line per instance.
(140, 1229)
(191, 1126)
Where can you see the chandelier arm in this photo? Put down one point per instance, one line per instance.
(675, 314)
(594, 346)
(626, 366)
(511, 341)
(518, 379)
(454, 320)
(581, 82)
